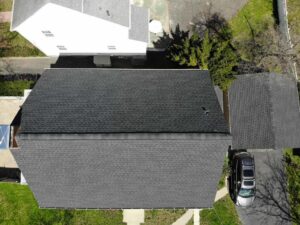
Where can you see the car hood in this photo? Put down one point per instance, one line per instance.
(244, 202)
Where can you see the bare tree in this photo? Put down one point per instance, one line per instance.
(6, 38)
(275, 195)
(269, 50)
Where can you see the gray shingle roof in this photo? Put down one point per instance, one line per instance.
(122, 173)
(116, 11)
(139, 30)
(264, 112)
(123, 101)
(72, 168)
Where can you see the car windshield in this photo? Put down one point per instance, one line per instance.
(246, 193)
(248, 183)
(248, 173)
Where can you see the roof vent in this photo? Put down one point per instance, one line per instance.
(206, 111)
(61, 47)
(47, 33)
(111, 47)
(107, 12)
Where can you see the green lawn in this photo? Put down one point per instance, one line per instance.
(294, 15)
(13, 44)
(14, 88)
(256, 19)
(162, 216)
(293, 177)
(5, 5)
(225, 168)
(259, 14)
(223, 213)
(294, 24)
(18, 207)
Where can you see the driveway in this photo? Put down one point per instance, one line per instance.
(250, 216)
(182, 12)
(34, 65)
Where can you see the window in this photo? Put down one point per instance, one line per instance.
(47, 33)
(61, 47)
(4, 136)
(248, 173)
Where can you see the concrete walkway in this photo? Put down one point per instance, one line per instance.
(185, 218)
(5, 17)
(222, 192)
(197, 216)
(133, 216)
(35, 65)
(136, 216)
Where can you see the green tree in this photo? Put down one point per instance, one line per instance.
(221, 64)
(209, 48)
(210, 52)
(191, 51)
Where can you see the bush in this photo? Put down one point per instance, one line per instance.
(15, 88)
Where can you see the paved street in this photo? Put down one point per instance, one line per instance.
(250, 216)
(35, 65)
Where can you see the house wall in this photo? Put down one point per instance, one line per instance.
(77, 32)
(122, 173)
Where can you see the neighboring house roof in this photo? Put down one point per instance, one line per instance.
(108, 138)
(264, 112)
(116, 11)
(139, 30)
(123, 101)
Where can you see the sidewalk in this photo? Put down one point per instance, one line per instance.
(136, 217)
(35, 65)
(222, 192)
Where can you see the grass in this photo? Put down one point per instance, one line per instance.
(15, 88)
(294, 15)
(293, 178)
(258, 18)
(18, 207)
(223, 213)
(294, 24)
(221, 183)
(13, 44)
(162, 216)
(5, 5)
(259, 13)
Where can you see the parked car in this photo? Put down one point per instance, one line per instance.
(242, 179)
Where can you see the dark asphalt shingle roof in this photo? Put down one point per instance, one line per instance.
(116, 11)
(68, 167)
(122, 173)
(123, 101)
(264, 112)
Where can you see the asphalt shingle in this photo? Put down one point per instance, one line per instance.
(123, 101)
(264, 112)
(122, 173)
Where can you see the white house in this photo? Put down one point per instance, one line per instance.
(82, 27)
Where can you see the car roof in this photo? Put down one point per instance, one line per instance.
(245, 158)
